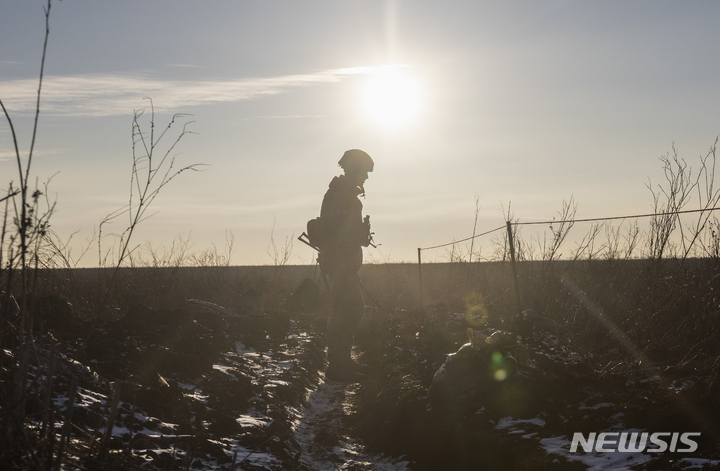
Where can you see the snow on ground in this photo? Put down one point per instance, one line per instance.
(594, 461)
(310, 431)
(509, 423)
(697, 463)
(321, 424)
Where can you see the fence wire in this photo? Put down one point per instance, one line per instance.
(617, 217)
(564, 221)
(462, 240)
(507, 227)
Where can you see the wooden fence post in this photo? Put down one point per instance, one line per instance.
(518, 300)
(422, 302)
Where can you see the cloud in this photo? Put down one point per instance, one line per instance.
(10, 154)
(7, 63)
(298, 116)
(107, 95)
(7, 156)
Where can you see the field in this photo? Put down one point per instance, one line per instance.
(601, 356)
(234, 378)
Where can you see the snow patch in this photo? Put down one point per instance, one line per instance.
(594, 461)
(507, 422)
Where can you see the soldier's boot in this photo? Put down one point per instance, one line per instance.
(341, 366)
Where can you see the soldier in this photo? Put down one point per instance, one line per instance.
(345, 233)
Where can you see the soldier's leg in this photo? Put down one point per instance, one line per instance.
(337, 326)
(345, 317)
(355, 307)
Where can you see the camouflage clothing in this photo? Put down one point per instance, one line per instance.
(340, 259)
(343, 229)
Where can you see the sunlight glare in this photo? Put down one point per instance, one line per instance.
(392, 98)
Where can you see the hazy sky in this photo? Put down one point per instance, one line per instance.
(517, 101)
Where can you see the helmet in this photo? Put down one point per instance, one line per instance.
(355, 159)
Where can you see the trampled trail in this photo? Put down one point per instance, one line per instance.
(323, 437)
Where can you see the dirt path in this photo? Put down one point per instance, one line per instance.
(321, 432)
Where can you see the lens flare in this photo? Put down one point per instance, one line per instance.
(500, 366)
(497, 358)
(475, 311)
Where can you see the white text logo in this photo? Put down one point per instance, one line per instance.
(635, 442)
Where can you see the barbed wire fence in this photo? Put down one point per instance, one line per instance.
(509, 225)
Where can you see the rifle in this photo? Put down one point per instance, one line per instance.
(306, 241)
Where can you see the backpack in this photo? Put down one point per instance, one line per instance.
(316, 233)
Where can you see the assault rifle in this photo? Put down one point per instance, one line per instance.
(306, 240)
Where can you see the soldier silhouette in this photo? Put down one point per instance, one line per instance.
(344, 234)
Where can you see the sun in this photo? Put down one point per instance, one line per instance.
(392, 98)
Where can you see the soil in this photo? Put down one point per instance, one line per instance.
(205, 388)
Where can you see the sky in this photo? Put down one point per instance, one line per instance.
(522, 103)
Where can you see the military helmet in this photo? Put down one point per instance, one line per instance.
(355, 159)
